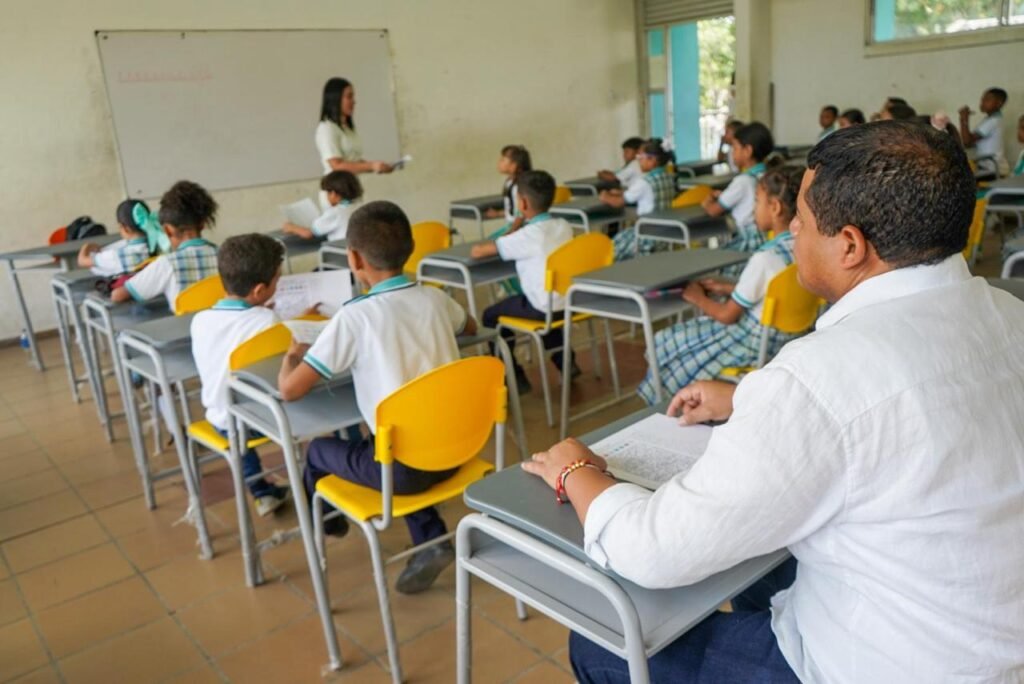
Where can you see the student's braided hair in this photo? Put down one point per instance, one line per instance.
(783, 183)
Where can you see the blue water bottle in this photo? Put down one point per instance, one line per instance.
(23, 340)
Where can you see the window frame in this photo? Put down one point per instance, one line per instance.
(1003, 33)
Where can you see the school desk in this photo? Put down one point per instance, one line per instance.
(1006, 196)
(333, 255)
(455, 267)
(681, 226)
(101, 321)
(590, 186)
(629, 291)
(295, 246)
(1013, 267)
(714, 181)
(529, 546)
(589, 213)
(59, 257)
(696, 167)
(68, 289)
(474, 209)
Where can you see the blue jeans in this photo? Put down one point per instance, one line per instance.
(251, 466)
(725, 647)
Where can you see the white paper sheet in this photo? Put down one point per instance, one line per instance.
(654, 450)
(400, 164)
(301, 213)
(297, 292)
(305, 332)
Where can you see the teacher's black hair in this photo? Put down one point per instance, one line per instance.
(906, 186)
(330, 107)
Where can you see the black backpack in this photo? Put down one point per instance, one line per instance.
(84, 227)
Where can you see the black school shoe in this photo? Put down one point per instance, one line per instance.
(423, 568)
(336, 527)
(522, 382)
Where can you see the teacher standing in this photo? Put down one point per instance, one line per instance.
(336, 139)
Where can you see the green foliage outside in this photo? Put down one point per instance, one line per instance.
(916, 18)
(716, 39)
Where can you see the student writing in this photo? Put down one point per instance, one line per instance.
(128, 253)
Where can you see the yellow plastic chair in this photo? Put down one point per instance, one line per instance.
(439, 421)
(273, 341)
(199, 296)
(691, 196)
(977, 232)
(562, 195)
(587, 252)
(788, 308)
(428, 237)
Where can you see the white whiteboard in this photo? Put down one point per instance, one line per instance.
(231, 109)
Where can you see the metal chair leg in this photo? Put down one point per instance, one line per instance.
(381, 580)
(543, 363)
(613, 363)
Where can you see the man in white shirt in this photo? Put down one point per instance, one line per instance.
(885, 450)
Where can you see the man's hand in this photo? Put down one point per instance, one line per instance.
(547, 465)
(702, 401)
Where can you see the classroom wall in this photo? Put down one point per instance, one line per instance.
(818, 58)
(470, 77)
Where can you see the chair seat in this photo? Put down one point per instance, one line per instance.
(363, 503)
(530, 325)
(203, 432)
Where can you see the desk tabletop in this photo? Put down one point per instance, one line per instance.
(162, 332)
(591, 206)
(339, 245)
(61, 250)
(592, 182)
(662, 269)
(482, 203)
(294, 244)
(717, 182)
(461, 254)
(1012, 184)
(699, 167)
(688, 215)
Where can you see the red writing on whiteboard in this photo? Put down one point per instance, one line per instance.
(202, 73)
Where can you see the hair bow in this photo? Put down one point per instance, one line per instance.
(149, 223)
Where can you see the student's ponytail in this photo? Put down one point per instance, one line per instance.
(126, 214)
(783, 183)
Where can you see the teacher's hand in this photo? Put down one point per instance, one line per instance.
(702, 401)
(381, 167)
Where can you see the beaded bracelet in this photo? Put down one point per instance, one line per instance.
(560, 494)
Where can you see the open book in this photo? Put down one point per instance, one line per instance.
(298, 292)
(652, 451)
(301, 213)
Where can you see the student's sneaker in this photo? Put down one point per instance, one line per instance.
(522, 381)
(424, 567)
(272, 500)
(336, 527)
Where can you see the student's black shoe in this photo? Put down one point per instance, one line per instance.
(522, 381)
(336, 527)
(424, 567)
(575, 372)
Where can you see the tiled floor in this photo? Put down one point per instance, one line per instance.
(96, 588)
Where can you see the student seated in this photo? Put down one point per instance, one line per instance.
(513, 162)
(343, 194)
(653, 191)
(386, 338)
(529, 247)
(249, 267)
(827, 120)
(898, 111)
(987, 138)
(884, 450)
(851, 117)
(753, 145)
(186, 210)
(887, 105)
(729, 332)
(728, 141)
(128, 253)
(630, 169)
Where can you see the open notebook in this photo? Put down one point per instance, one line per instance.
(652, 451)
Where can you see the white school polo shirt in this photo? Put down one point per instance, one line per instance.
(766, 263)
(215, 334)
(120, 257)
(336, 142)
(990, 138)
(333, 223)
(395, 333)
(529, 247)
(629, 173)
(170, 273)
(740, 195)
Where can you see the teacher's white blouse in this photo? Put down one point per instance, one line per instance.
(886, 450)
(334, 141)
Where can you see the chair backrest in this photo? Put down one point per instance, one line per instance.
(788, 307)
(977, 231)
(199, 296)
(562, 195)
(691, 196)
(443, 418)
(428, 237)
(273, 341)
(587, 252)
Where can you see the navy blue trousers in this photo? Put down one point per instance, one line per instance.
(518, 306)
(353, 461)
(725, 647)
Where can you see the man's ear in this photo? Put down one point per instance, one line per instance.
(855, 250)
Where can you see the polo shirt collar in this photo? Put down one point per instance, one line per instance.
(194, 242)
(232, 305)
(392, 283)
(902, 282)
(756, 169)
(545, 216)
(137, 241)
